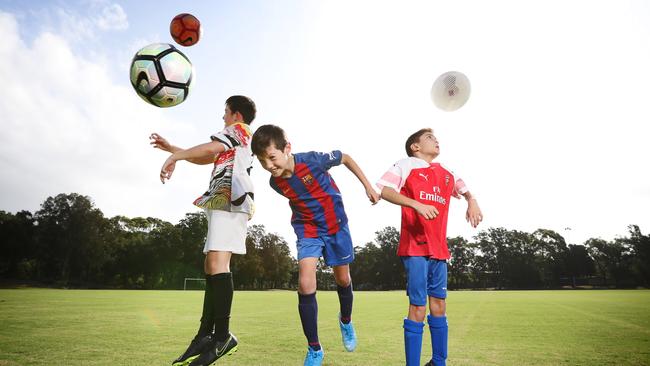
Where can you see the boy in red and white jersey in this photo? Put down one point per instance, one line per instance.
(423, 189)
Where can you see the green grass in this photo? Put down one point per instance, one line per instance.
(87, 327)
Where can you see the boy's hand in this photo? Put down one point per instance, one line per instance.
(160, 142)
(167, 169)
(373, 196)
(474, 215)
(429, 212)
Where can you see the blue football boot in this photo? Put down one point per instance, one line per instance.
(314, 358)
(349, 335)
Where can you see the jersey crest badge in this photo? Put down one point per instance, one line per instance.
(446, 180)
(308, 180)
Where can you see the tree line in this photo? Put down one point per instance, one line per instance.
(69, 242)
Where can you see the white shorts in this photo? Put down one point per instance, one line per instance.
(226, 231)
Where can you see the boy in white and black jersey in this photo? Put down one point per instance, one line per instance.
(228, 205)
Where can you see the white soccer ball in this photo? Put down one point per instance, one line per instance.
(161, 75)
(450, 91)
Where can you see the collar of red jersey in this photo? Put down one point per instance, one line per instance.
(431, 164)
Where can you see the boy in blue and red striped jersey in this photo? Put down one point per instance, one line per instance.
(423, 188)
(320, 223)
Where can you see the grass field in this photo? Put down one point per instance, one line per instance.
(87, 327)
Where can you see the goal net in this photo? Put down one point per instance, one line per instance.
(194, 283)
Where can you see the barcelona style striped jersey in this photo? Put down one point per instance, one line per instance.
(315, 200)
(431, 184)
(231, 187)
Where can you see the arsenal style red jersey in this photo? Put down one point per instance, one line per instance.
(431, 184)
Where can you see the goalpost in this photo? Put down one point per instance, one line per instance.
(193, 279)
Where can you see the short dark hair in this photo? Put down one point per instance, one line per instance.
(266, 135)
(415, 138)
(243, 105)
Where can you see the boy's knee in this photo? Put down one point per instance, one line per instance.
(306, 286)
(343, 280)
(437, 307)
(417, 312)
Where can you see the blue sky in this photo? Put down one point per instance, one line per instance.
(554, 134)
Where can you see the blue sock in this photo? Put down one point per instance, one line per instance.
(413, 341)
(439, 331)
(345, 300)
(308, 309)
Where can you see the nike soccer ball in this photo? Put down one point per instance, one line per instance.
(450, 91)
(185, 29)
(161, 75)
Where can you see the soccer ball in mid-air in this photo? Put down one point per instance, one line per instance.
(185, 29)
(161, 75)
(450, 91)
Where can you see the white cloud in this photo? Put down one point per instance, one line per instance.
(83, 23)
(67, 127)
(112, 17)
(73, 26)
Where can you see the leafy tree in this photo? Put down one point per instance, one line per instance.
(165, 269)
(578, 263)
(639, 245)
(276, 261)
(365, 268)
(247, 269)
(389, 268)
(267, 263)
(324, 276)
(460, 265)
(69, 242)
(612, 259)
(551, 253)
(17, 245)
(507, 258)
(70, 239)
(193, 230)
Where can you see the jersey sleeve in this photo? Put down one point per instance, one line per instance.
(459, 187)
(274, 185)
(395, 177)
(232, 136)
(326, 160)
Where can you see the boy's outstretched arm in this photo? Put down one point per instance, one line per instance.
(389, 194)
(474, 215)
(209, 149)
(161, 143)
(349, 163)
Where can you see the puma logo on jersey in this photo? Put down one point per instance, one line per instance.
(426, 177)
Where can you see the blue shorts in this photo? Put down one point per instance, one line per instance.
(425, 276)
(336, 249)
